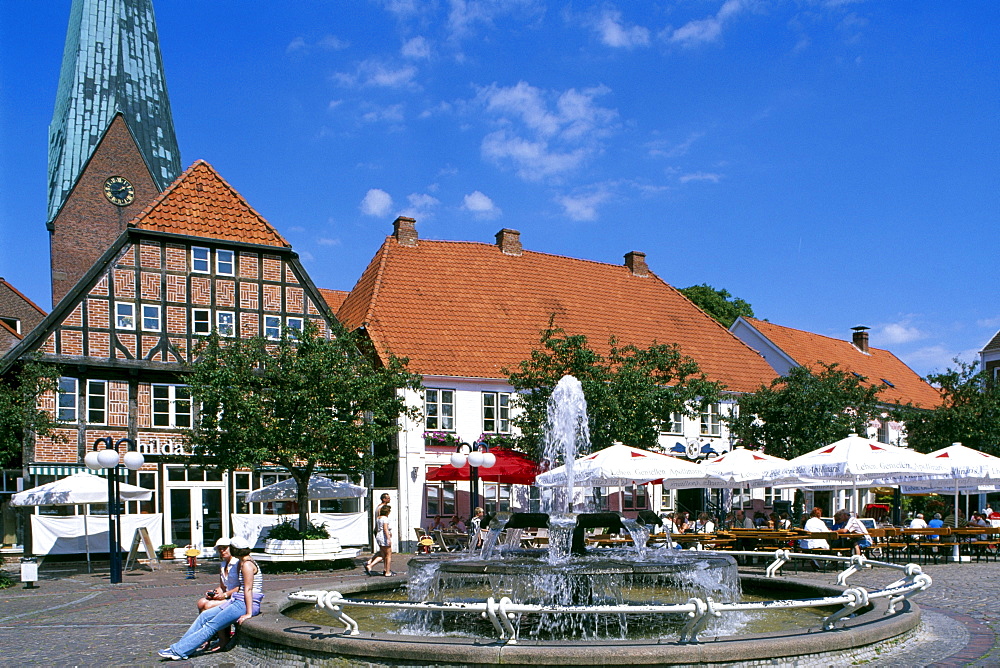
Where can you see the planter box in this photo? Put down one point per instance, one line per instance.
(323, 546)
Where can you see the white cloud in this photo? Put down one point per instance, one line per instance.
(306, 256)
(376, 203)
(988, 323)
(583, 207)
(417, 48)
(664, 149)
(464, 16)
(421, 205)
(324, 241)
(898, 332)
(325, 43)
(376, 74)
(700, 176)
(544, 133)
(480, 205)
(936, 358)
(708, 29)
(390, 114)
(614, 33)
(333, 104)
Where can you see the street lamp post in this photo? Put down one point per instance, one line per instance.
(108, 459)
(476, 457)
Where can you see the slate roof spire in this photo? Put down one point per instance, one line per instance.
(111, 64)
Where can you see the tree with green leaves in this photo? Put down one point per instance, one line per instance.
(719, 304)
(969, 412)
(303, 402)
(804, 410)
(630, 393)
(20, 414)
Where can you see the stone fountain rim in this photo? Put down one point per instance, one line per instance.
(271, 628)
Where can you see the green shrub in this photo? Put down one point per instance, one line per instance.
(287, 530)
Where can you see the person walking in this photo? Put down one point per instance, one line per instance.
(383, 538)
(244, 604)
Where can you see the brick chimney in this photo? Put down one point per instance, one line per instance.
(405, 231)
(636, 262)
(860, 337)
(509, 241)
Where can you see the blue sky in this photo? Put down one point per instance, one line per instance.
(833, 163)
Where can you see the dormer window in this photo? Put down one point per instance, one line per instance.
(13, 323)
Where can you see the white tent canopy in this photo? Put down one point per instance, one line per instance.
(621, 465)
(319, 488)
(973, 472)
(77, 489)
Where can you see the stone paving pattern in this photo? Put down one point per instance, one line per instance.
(78, 619)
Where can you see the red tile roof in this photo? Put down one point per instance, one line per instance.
(808, 349)
(469, 310)
(200, 203)
(333, 298)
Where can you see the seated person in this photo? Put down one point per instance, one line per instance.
(918, 522)
(784, 523)
(815, 524)
(456, 524)
(704, 524)
(437, 524)
(935, 523)
(851, 524)
(229, 584)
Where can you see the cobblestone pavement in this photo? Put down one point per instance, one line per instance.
(78, 619)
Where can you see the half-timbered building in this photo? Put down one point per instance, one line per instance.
(198, 259)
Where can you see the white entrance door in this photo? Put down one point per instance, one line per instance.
(195, 516)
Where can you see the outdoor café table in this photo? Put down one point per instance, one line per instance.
(607, 541)
(690, 539)
(455, 540)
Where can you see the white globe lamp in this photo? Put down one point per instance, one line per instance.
(91, 460)
(458, 460)
(133, 460)
(108, 459)
(489, 460)
(476, 458)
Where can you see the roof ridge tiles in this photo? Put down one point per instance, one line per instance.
(752, 321)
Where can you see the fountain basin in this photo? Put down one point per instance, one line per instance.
(273, 637)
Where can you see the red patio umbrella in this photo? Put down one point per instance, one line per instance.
(511, 468)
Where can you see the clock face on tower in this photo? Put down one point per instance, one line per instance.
(119, 191)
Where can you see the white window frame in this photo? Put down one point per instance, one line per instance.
(635, 497)
(501, 412)
(497, 497)
(711, 420)
(153, 309)
(272, 327)
(169, 400)
(69, 388)
(295, 323)
(439, 414)
(220, 264)
(92, 397)
(207, 321)
(441, 496)
(771, 494)
(205, 262)
(224, 329)
(675, 427)
(124, 320)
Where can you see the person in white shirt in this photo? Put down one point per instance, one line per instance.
(851, 524)
(815, 524)
(704, 524)
(918, 522)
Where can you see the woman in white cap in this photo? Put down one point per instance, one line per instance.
(229, 584)
(243, 605)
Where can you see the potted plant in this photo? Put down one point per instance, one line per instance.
(285, 538)
(166, 551)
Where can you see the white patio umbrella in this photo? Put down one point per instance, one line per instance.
(622, 465)
(320, 487)
(746, 468)
(859, 462)
(972, 471)
(78, 489)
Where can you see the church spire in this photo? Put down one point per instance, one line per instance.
(111, 65)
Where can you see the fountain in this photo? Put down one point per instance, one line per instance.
(570, 604)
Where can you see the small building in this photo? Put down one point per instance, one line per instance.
(989, 357)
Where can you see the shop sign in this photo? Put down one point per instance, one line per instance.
(163, 446)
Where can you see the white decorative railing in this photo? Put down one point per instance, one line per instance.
(699, 611)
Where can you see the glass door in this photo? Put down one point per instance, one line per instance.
(196, 516)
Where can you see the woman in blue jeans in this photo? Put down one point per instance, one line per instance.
(244, 604)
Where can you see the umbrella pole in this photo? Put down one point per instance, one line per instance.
(86, 535)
